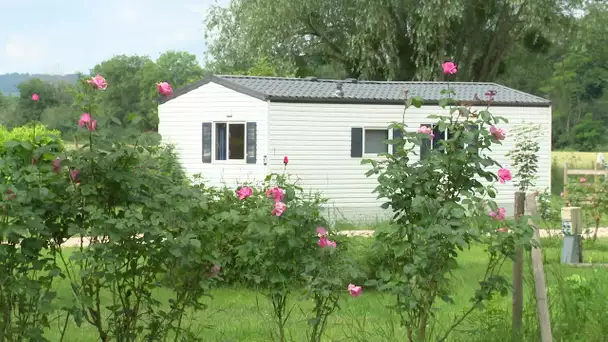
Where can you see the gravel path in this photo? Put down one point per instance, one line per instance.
(603, 232)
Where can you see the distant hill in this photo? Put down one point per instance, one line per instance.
(9, 82)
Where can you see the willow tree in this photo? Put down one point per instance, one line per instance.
(380, 39)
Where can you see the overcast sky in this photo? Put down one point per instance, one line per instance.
(65, 36)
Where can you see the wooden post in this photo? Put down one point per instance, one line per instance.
(518, 272)
(565, 175)
(538, 269)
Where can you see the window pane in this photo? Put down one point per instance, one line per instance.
(374, 141)
(220, 141)
(236, 143)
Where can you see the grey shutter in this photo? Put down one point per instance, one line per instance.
(356, 142)
(397, 134)
(207, 142)
(425, 145)
(251, 142)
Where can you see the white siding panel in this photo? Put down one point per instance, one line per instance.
(317, 139)
(180, 123)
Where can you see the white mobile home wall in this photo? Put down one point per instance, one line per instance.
(317, 138)
(180, 124)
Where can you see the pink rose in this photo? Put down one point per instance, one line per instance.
(449, 68)
(490, 94)
(56, 165)
(498, 215)
(164, 88)
(279, 208)
(504, 175)
(35, 97)
(74, 176)
(215, 270)
(244, 192)
(285, 160)
(85, 119)
(426, 130)
(583, 179)
(321, 231)
(354, 290)
(277, 193)
(98, 82)
(325, 242)
(497, 133)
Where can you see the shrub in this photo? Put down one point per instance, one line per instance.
(285, 246)
(439, 208)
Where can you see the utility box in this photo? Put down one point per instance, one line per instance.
(572, 221)
(572, 229)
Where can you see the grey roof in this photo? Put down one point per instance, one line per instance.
(280, 89)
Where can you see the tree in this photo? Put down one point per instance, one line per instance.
(392, 39)
(130, 91)
(578, 83)
(50, 95)
(179, 68)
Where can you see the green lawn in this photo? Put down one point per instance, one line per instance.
(234, 313)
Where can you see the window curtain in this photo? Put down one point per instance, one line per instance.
(221, 143)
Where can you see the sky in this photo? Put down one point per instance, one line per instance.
(67, 36)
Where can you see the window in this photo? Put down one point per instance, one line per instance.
(229, 141)
(375, 141)
(437, 142)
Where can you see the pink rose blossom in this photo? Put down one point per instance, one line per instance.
(497, 133)
(164, 88)
(285, 160)
(499, 214)
(325, 242)
(74, 176)
(35, 97)
(215, 270)
(490, 94)
(279, 208)
(504, 175)
(244, 192)
(583, 180)
(426, 130)
(85, 119)
(449, 68)
(277, 193)
(354, 290)
(321, 231)
(98, 82)
(56, 165)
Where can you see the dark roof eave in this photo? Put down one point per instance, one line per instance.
(338, 100)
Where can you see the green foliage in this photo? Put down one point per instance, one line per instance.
(591, 196)
(439, 209)
(524, 154)
(388, 40)
(280, 251)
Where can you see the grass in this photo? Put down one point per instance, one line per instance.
(239, 314)
(576, 160)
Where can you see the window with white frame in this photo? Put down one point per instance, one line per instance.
(374, 141)
(229, 141)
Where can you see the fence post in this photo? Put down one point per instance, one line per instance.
(542, 306)
(518, 272)
(565, 174)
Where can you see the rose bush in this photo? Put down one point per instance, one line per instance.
(283, 245)
(440, 207)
